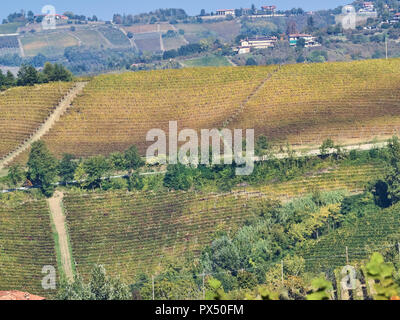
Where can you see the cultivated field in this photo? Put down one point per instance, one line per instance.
(131, 233)
(304, 104)
(116, 111)
(48, 44)
(24, 109)
(26, 245)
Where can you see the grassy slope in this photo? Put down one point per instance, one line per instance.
(9, 28)
(207, 61)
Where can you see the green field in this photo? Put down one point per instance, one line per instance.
(207, 61)
(10, 27)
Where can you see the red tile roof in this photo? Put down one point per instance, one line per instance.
(18, 295)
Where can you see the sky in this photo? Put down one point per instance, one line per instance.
(104, 9)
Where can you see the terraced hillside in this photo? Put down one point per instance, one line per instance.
(9, 45)
(375, 231)
(24, 109)
(116, 111)
(307, 103)
(129, 232)
(26, 245)
(300, 104)
(351, 178)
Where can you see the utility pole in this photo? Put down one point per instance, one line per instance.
(398, 248)
(282, 271)
(152, 280)
(204, 288)
(386, 46)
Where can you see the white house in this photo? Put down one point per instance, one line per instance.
(225, 12)
(309, 39)
(259, 42)
(269, 9)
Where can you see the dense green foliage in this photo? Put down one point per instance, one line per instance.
(100, 287)
(42, 168)
(29, 76)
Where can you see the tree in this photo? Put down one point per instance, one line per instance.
(251, 62)
(326, 145)
(16, 175)
(118, 161)
(67, 167)
(42, 168)
(178, 177)
(301, 43)
(95, 168)
(133, 159)
(202, 12)
(27, 75)
(393, 176)
(135, 182)
(100, 287)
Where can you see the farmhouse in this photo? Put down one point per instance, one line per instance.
(269, 9)
(56, 16)
(368, 6)
(309, 39)
(225, 12)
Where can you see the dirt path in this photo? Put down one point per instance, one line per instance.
(248, 98)
(55, 204)
(47, 125)
(21, 48)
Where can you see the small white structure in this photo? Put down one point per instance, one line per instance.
(243, 50)
(259, 42)
(225, 12)
(310, 40)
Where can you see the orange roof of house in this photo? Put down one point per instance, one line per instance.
(18, 295)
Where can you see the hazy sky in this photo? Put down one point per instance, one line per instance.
(105, 8)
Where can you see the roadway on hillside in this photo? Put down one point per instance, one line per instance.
(58, 217)
(47, 125)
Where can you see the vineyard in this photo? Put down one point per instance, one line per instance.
(24, 109)
(130, 233)
(306, 103)
(115, 37)
(115, 111)
(351, 178)
(49, 43)
(300, 104)
(9, 45)
(26, 245)
(374, 232)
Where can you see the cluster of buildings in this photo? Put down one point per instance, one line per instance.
(367, 7)
(266, 10)
(248, 44)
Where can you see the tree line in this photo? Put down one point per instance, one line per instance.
(29, 76)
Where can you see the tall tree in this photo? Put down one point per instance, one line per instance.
(27, 76)
(42, 168)
(133, 159)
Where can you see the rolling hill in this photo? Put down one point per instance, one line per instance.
(303, 105)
